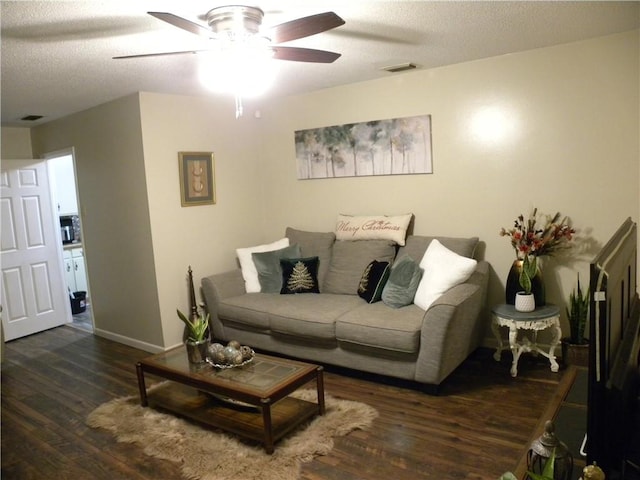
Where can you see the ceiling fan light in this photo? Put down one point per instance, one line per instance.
(243, 74)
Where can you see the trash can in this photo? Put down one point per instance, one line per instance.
(78, 302)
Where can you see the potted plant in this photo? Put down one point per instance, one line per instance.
(525, 300)
(197, 341)
(537, 236)
(575, 348)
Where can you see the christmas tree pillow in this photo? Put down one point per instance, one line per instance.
(299, 275)
(373, 280)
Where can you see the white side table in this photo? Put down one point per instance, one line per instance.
(541, 318)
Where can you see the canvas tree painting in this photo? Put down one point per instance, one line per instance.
(398, 146)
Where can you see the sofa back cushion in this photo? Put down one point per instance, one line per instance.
(416, 246)
(349, 260)
(314, 244)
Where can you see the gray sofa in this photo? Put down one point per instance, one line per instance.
(337, 327)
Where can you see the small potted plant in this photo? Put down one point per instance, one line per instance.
(197, 341)
(575, 348)
(525, 300)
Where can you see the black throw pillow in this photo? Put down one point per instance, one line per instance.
(299, 275)
(373, 280)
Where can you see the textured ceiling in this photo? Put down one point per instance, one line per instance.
(57, 55)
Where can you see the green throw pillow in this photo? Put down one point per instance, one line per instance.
(269, 269)
(299, 275)
(403, 282)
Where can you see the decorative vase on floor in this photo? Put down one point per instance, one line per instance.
(513, 284)
(197, 351)
(525, 302)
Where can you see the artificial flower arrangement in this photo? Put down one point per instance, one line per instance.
(539, 235)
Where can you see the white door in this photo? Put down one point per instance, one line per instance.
(34, 297)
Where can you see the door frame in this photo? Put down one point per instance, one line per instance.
(49, 156)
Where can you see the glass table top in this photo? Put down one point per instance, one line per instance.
(262, 374)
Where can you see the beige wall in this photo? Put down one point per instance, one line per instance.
(15, 143)
(205, 236)
(568, 142)
(112, 190)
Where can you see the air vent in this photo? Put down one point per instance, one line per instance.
(31, 118)
(401, 67)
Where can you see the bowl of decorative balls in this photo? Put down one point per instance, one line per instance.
(230, 355)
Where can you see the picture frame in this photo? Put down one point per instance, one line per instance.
(197, 178)
(396, 146)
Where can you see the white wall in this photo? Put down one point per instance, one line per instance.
(567, 140)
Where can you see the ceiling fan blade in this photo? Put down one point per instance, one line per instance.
(304, 27)
(182, 23)
(143, 55)
(295, 54)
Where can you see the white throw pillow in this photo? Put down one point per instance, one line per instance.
(443, 269)
(249, 271)
(373, 227)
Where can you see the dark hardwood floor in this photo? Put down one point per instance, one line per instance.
(478, 427)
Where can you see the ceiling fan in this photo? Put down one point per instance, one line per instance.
(239, 24)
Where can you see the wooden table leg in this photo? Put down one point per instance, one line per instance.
(141, 386)
(320, 385)
(267, 424)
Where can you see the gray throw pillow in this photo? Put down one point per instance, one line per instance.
(403, 282)
(269, 269)
(350, 258)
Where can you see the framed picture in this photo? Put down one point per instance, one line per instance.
(197, 179)
(397, 146)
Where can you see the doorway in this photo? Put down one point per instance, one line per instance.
(67, 211)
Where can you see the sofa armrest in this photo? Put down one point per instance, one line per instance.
(217, 287)
(452, 327)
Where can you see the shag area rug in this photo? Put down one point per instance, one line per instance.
(212, 455)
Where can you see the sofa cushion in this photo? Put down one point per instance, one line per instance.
(382, 327)
(249, 272)
(373, 227)
(373, 280)
(269, 269)
(310, 316)
(249, 309)
(349, 259)
(403, 282)
(314, 244)
(416, 245)
(299, 275)
(443, 269)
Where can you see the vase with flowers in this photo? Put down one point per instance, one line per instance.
(535, 237)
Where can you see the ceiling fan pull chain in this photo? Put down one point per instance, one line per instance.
(238, 106)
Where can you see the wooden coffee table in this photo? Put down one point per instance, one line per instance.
(251, 401)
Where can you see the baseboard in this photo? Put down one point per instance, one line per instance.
(131, 342)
